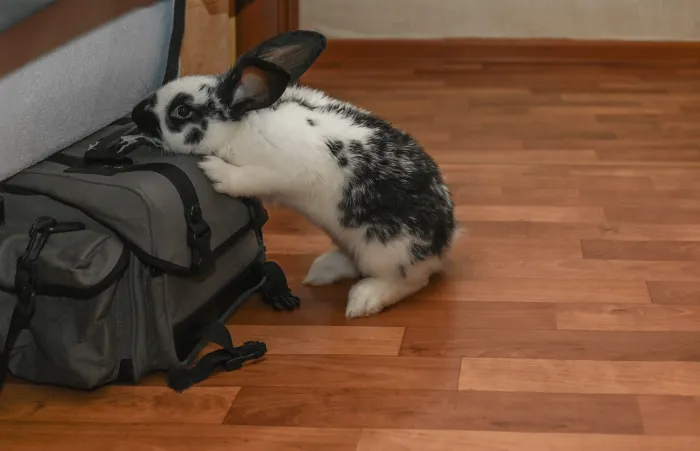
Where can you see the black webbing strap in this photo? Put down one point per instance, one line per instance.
(228, 358)
(21, 317)
(198, 230)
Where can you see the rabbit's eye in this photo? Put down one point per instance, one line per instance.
(182, 112)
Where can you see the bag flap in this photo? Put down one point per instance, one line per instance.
(77, 264)
(144, 201)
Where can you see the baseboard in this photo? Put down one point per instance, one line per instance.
(516, 50)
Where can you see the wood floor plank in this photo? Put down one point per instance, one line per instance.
(540, 290)
(426, 440)
(451, 154)
(68, 436)
(413, 409)
(634, 155)
(322, 339)
(472, 247)
(642, 250)
(663, 292)
(557, 197)
(683, 181)
(570, 197)
(530, 213)
(290, 244)
(326, 307)
(580, 376)
(622, 317)
(626, 170)
(116, 404)
(670, 415)
(341, 371)
(656, 198)
(496, 229)
(617, 231)
(548, 344)
(652, 215)
(582, 269)
(529, 182)
(498, 248)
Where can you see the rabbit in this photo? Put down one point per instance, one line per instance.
(370, 186)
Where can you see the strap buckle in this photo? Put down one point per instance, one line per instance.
(26, 272)
(228, 358)
(250, 350)
(198, 236)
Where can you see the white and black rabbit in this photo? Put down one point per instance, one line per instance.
(368, 185)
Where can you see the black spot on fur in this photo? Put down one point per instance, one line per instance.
(211, 110)
(335, 147)
(176, 124)
(201, 114)
(402, 271)
(395, 187)
(311, 122)
(194, 136)
(342, 161)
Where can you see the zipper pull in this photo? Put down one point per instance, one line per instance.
(64, 227)
(40, 231)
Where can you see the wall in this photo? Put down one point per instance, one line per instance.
(579, 19)
(208, 45)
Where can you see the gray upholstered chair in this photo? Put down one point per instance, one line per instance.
(70, 67)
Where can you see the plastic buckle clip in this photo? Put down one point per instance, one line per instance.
(198, 236)
(25, 275)
(250, 350)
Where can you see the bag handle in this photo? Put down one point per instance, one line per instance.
(26, 281)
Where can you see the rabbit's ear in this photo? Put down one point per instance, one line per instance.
(251, 85)
(294, 51)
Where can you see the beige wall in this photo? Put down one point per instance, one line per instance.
(209, 42)
(581, 19)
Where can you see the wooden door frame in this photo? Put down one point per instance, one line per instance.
(258, 20)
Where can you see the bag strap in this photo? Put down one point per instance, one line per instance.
(26, 282)
(275, 291)
(228, 358)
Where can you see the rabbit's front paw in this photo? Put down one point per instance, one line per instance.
(220, 173)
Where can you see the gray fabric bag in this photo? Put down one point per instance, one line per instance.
(114, 265)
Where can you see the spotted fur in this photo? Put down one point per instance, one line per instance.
(370, 186)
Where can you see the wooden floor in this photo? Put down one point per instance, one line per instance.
(569, 321)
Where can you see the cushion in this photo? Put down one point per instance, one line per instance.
(68, 92)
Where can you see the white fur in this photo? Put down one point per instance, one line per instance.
(331, 267)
